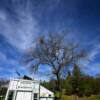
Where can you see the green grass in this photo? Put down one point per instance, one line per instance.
(65, 97)
(96, 97)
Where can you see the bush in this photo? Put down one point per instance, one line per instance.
(88, 93)
(1, 98)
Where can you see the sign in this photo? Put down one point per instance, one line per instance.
(25, 85)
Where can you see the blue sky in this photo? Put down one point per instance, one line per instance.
(21, 21)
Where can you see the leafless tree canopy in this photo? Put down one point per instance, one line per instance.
(55, 51)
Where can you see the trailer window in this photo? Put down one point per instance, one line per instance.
(35, 96)
(10, 95)
(49, 95)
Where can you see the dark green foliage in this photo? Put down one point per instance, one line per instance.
(3, 87)
(50, 85)
(1, 98)
(77, 83)
(68, 88)
(81, 87)
(3, 91)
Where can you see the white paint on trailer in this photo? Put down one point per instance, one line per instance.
(23, 95)
(45, 92)
(25, 90)
(46, 99)
(43, 99)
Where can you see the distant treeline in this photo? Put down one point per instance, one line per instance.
(3, 86)
(76, 83)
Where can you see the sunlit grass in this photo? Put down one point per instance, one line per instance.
(96, 97)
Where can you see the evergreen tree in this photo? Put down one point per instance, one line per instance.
(75, 78)
(68, 84)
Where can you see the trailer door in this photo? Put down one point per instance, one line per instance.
(23, 95)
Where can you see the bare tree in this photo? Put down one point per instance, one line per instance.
(55, 51)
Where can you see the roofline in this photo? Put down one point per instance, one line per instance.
(47, 89)
(13, 79)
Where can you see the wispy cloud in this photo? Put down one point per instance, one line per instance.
(92, 69)
(94, 52)
(22, 20)
(21, 32)
(19, 24)
(18, 29)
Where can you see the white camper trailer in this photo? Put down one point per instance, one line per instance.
(20, 89)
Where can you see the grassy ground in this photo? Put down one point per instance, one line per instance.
(96, 97)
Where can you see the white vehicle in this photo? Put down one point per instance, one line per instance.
(20, 89)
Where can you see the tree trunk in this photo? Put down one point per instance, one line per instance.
(59, 86)
(75, 97)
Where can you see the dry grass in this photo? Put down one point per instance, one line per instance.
(93, 97)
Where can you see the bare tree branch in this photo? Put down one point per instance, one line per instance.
(56, 52)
